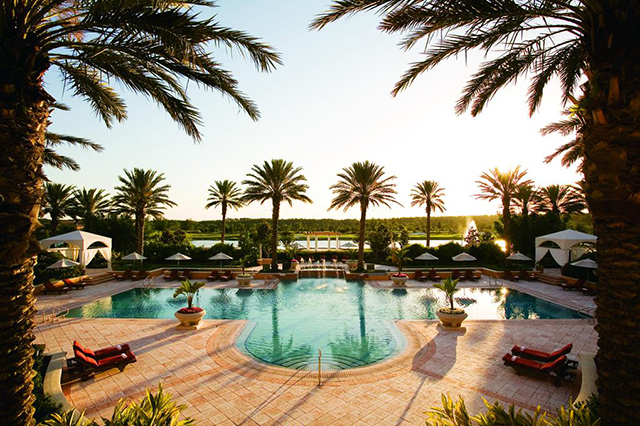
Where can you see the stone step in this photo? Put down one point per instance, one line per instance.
(98, 278)
(550, 279)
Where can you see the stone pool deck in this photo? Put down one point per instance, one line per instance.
(221, 386)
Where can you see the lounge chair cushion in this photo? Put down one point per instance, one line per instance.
(102, 353)
(522, 362)
(532, 353)
(554, 364)
(117, 359)
(562, 351)
(85, 359)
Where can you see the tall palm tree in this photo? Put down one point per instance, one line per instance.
(59, 161)
(428, 194)
(560, 199)
(142, 194)
(591, 47)
(225, 194)
(527, 198)
(154, 48)
(363, 184)
(496, 185)
(58, 202)
(275, 181)
(90, 203)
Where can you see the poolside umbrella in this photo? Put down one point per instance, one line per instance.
(63, 263)
(134, 256)
(178, 256)
(221, 257)
(464, 258)
(519, 257)
(588, 264)
(298, 245)
(349, 245)
(426, 256)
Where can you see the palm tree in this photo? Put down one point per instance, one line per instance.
(53, 159)
(496, 185)
(277, 181)
(90, 203)
(225, 194)
(58, 202)
(560, 199)
(428, 194)
(153, 48)
(363, 184)
(142, 194)
(591, 47)
(527, 198)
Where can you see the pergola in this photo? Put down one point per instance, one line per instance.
(79, 246)
(328, 234)
(566, 242)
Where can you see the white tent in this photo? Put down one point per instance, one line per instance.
(566, 242)
(79, 243)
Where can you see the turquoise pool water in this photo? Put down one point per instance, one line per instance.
(350, 322)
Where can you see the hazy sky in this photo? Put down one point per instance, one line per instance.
(328, 106)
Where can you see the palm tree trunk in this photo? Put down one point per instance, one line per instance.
(24, 112)
(613, 188)
(363, 219)
(274, 235)
(139, 232)
(506, 222)
(428, 226)
(224, 222)
(54, 225)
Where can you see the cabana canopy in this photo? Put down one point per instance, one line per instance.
(79, 243)
(566, 241)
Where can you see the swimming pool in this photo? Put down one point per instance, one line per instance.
(351, 322)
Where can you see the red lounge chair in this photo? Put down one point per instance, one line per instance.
(127, 275)
(186, 274)
(419, 276)
(575, 286)
(433, 276)
(73, 285)
(226, 276)
(468, 275)
(527, 366)
(141, 275)
(508, 275)
(102, 353)
(172, 275)
(85, 366)
(529, 275)
(49, 287)
(589, 291)
(540, 356)
(455, 275)
(214, 276)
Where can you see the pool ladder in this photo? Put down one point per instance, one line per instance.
(53, 314)
(149, 283)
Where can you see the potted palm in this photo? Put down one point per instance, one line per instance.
(189, 316)
(243, 278)
(399, 258)
(450, 317)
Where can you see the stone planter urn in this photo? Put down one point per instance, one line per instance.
(399, 280)
(451, 320)
(352, 264)
(244, 279)
(189, 321)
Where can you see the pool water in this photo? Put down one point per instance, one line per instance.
(350, 322)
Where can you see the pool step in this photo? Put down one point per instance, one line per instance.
(550, 279)
(338, 362)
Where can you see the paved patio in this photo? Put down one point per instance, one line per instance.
(222, 386)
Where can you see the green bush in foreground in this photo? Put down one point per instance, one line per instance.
(153, 410)
(454, 413)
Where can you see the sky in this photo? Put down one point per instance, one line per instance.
(328, 106)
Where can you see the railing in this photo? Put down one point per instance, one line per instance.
(149, 282)
(588, 314)
(53, 314)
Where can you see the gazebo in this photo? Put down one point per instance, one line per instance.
(79, 246)
(328, 234)
(566, 243)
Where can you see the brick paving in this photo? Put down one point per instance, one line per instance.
(220, 385)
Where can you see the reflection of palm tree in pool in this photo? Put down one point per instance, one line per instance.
(362, 318)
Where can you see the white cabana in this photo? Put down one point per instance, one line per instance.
(79, 243)
(566, 242)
